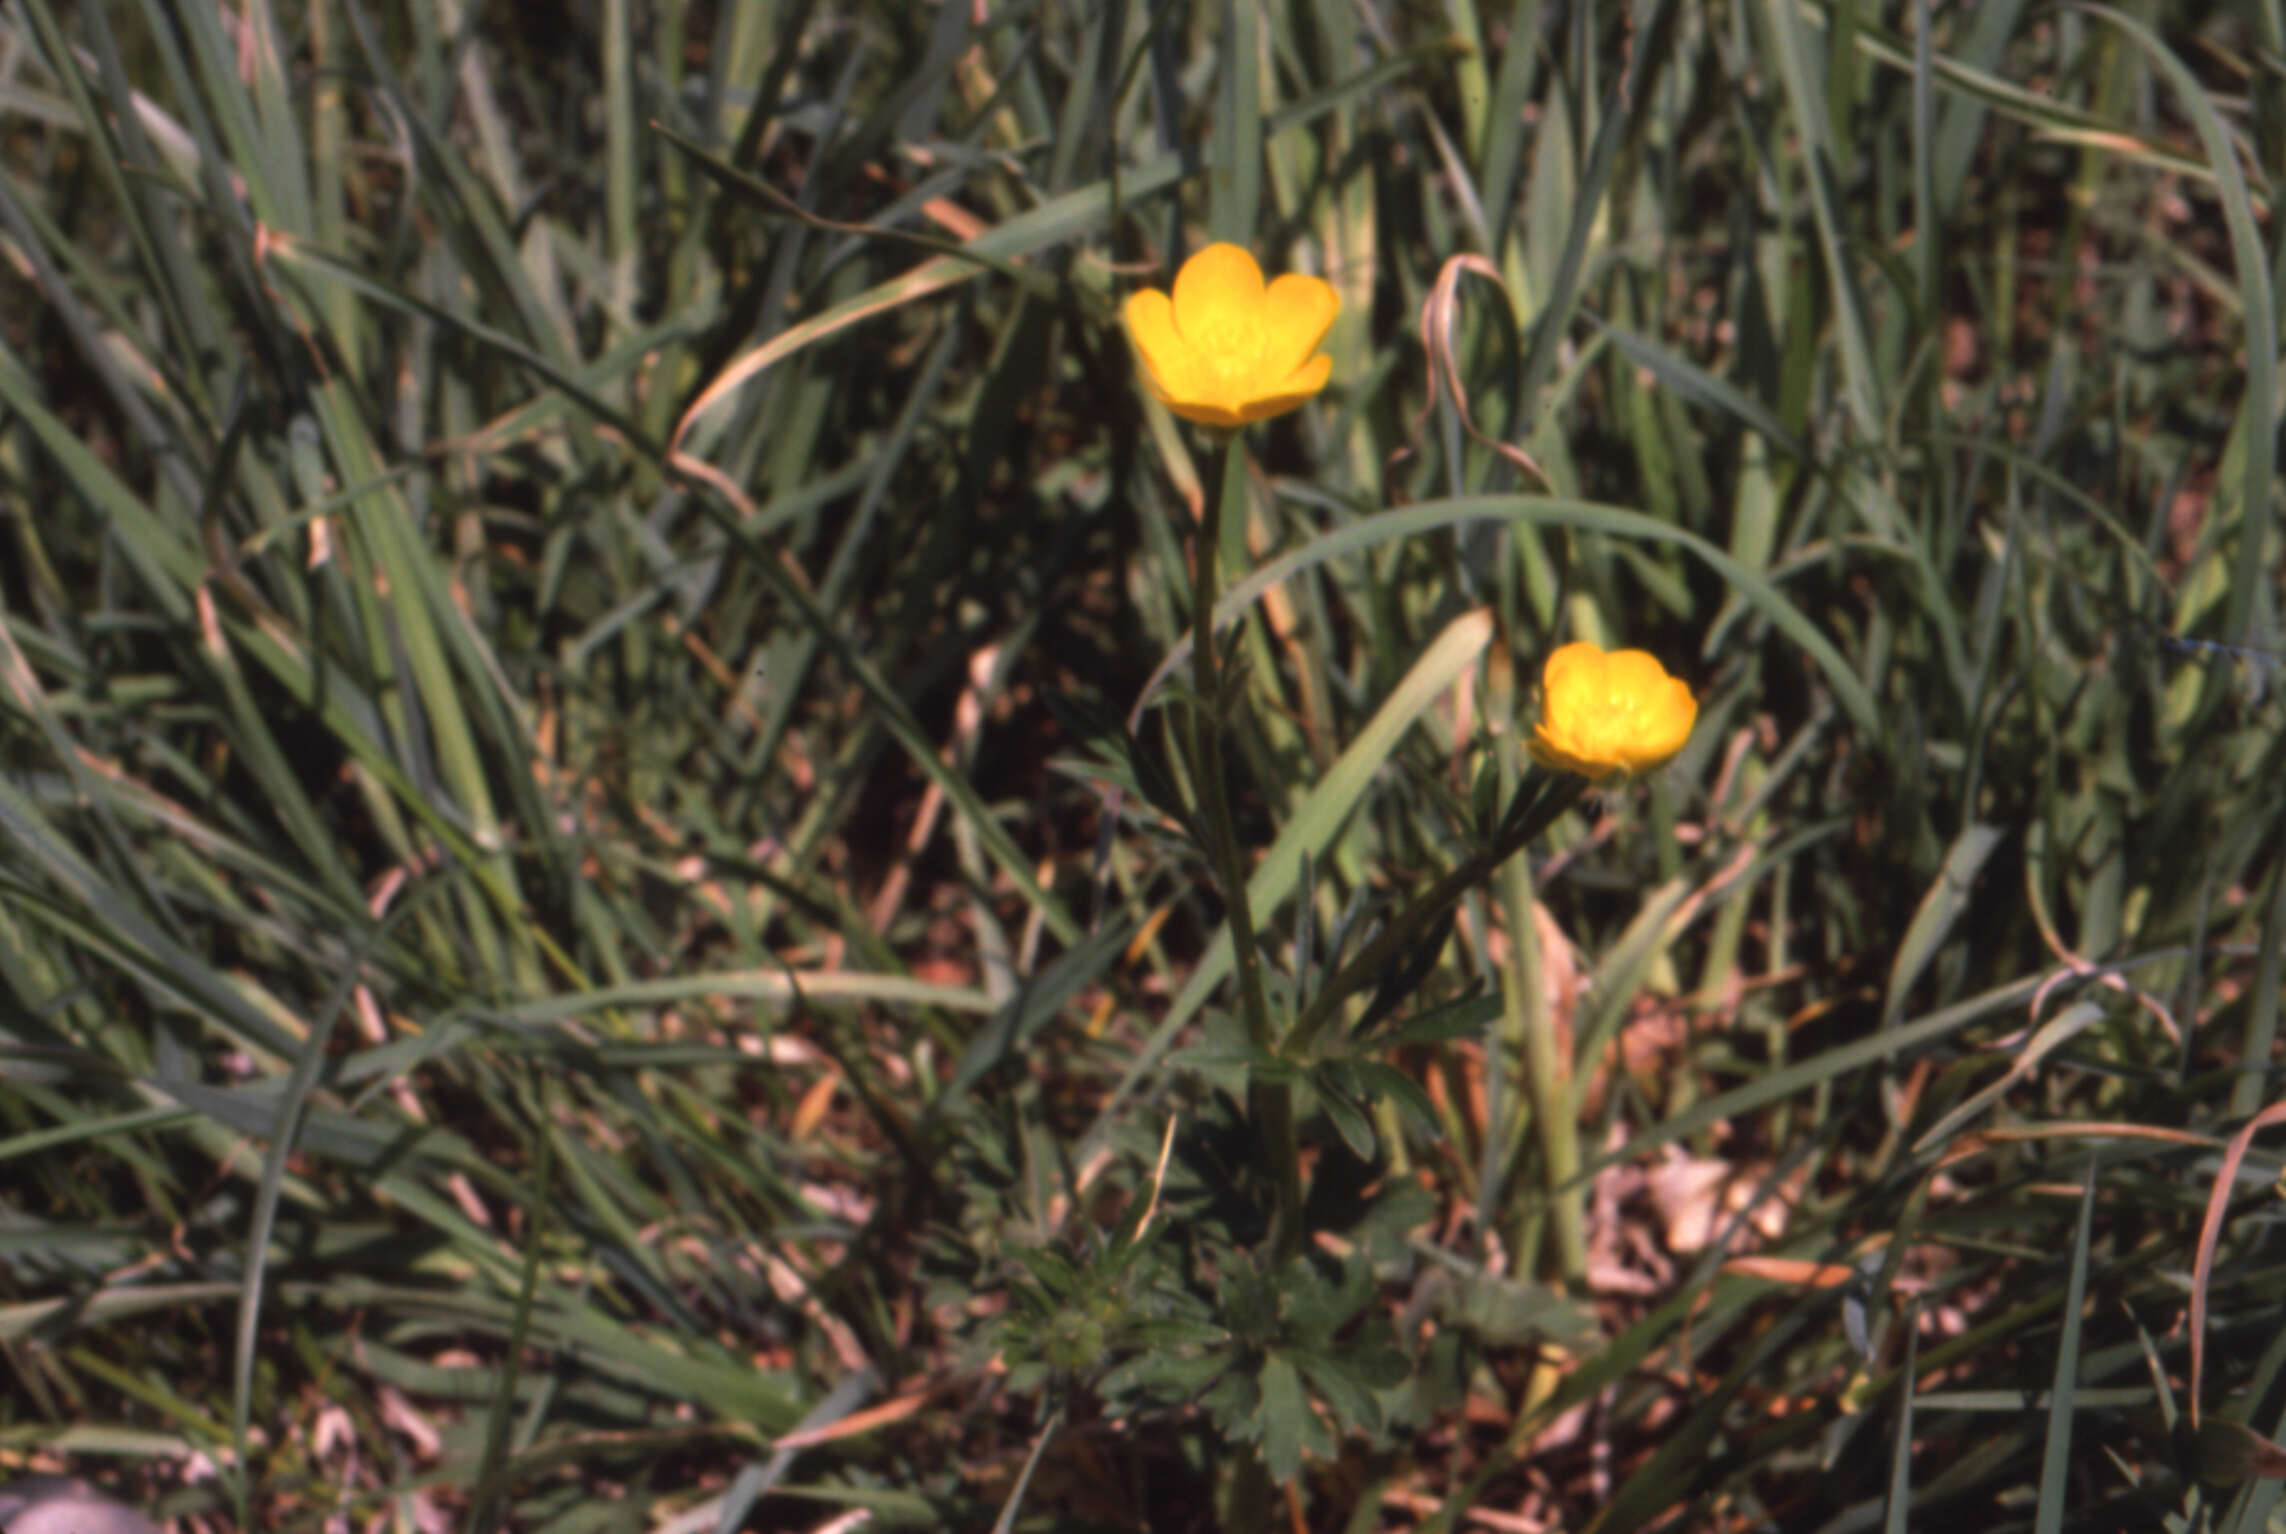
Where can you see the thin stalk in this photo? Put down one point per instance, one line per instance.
(1270, 1103)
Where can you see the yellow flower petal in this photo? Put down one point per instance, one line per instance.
(1223, 349)
(1218, 301)
(1602, 714)
(1572, 680)
(1166, 358)
(1299, 388)
(1576, 661)
(1632, 671)
(1207, 413)
(1297, 311)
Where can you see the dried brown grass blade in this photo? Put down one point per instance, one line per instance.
(1440, 318)
(2210, 1232)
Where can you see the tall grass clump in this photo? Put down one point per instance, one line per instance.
(696, 834)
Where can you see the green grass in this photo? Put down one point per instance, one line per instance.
(584, 943)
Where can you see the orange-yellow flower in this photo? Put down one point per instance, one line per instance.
(1605, 713)
(1226, 350)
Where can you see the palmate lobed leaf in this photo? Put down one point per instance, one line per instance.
(1284, 1422)
(658, 953)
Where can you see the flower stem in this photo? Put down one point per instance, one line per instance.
(1271, 1104)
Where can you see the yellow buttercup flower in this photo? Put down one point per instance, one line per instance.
(1226, 350)
(1605, 713)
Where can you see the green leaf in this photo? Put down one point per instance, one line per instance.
(1379, 1367)
(1407, 977)
(1942, 905)
(1484, 798)
(1056, 1275)
(1286, 1423)
(1466, 1016)
(1338, 1380)
(1035, 1004)
(1228, 1057)
(1316, 1304)
(1165, 1376)
(1390, 1082)
(1175, 1332)
(1345, 1113)
(1510, 1312)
